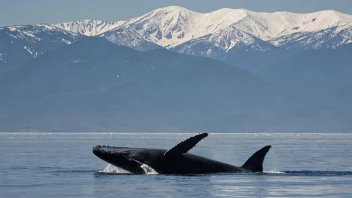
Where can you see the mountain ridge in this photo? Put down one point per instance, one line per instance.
(89, 27)
(181, 24)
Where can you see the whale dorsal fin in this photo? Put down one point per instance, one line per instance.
(186, 145)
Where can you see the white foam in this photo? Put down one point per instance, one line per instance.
(117, 170)
(274, 172)
(113, 169)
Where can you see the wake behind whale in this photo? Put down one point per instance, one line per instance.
(111, 169)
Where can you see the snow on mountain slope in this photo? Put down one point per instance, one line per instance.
(19, 43)
(89, 27)
(327, 38)
(223, 41)
(272, 25)
(128, 37)
(172, 26)
(166, 26)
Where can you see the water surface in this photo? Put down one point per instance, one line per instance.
(63, 165)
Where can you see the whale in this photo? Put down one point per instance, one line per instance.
(176, 160)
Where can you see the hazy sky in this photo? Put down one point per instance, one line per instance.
(54, 11)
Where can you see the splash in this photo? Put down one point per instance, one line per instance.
(274, 172)
(117, 170)
(272, 163)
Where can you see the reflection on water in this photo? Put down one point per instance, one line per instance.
(62, 165)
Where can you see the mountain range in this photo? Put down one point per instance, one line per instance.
(171, 26)
(221, 34)
(173, 69)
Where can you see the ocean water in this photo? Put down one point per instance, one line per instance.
(38, 165)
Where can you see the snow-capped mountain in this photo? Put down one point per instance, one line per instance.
(172, 26)
(216, 34)
(19, 43)
(89, 27)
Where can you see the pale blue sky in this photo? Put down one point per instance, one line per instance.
(54, 11)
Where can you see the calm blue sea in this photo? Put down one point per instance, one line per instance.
(38, 165)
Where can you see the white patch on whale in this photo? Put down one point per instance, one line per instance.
(148, 170)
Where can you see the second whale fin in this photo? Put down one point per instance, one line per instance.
(186, 145)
